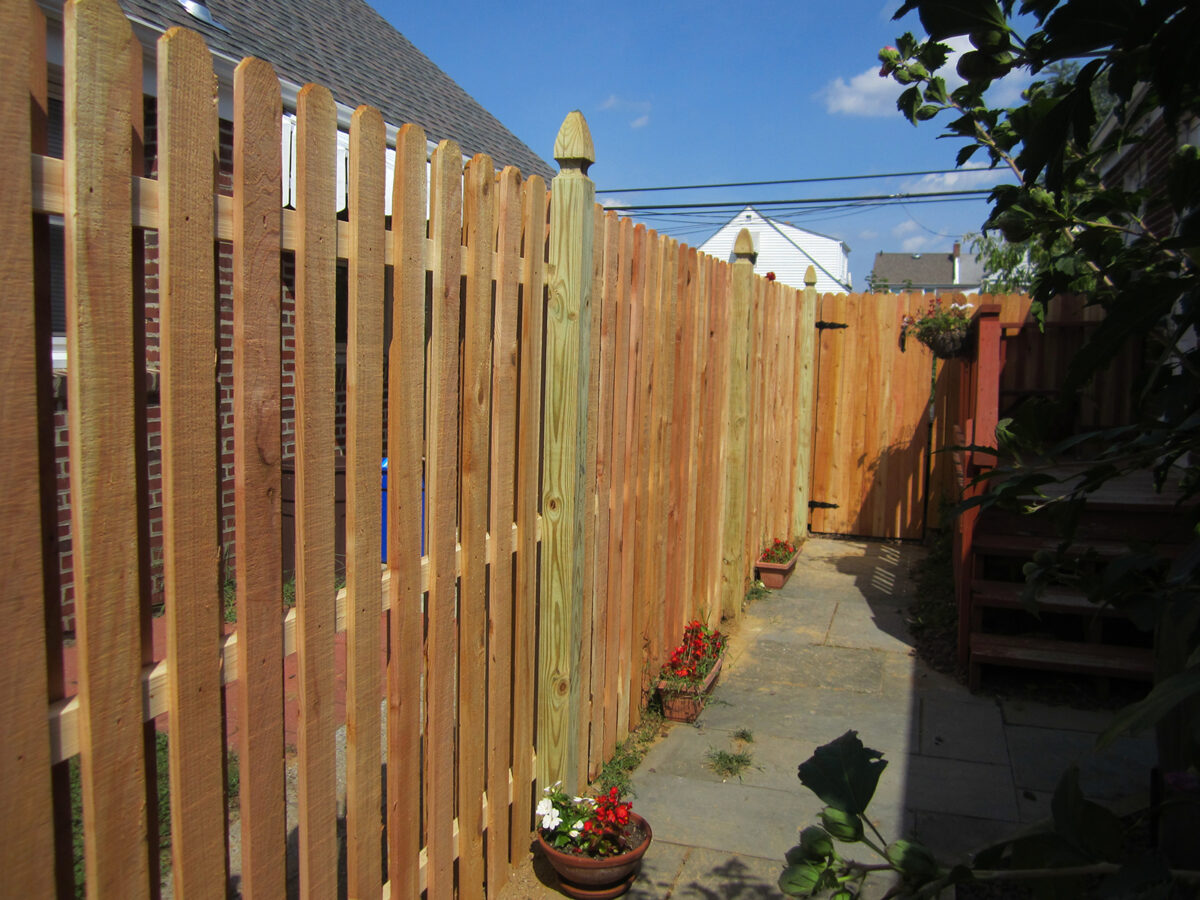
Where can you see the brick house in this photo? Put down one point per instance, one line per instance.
(346, 46)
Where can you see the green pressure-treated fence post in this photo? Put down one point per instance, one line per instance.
(564, 432)
(806, 401)
(733, 543)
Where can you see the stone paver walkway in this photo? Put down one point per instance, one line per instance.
(828, 653)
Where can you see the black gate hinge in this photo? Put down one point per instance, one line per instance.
(821, 325)
(821, 504)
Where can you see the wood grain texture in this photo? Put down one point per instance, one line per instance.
(441, 431)
(257, 163)
(98, 47)
(806, 400)
(503, 453)
(568, 337)
(608, 511)
(595, 583)
(735, 460)
(529, 429)
(315, 316)
(364, 449)
(645, 281)
(624, 477)
(664, 391)
(27, 833)
(187, 144)
(480, 229)
(406, 401)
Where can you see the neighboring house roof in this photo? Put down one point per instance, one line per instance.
(926, 271)
(786, 250)
(349, 48)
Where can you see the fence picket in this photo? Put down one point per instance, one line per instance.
(99, 41)
(445, 229)
(610, 463)
(315, 315)
(529, 405)
(480, 229)
(256, 359)
(503, 452)
(187, 142)
(406, 386)
(364, 448)
(27, 834)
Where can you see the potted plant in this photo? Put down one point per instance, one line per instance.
(942, 329)
(775, 563)
(688, 676)
(595, 844)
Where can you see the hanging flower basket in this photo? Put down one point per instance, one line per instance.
(944, 330)
(947, 344)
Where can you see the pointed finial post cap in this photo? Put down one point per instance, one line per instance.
(743, 247)
(573, 147)
(810, 277)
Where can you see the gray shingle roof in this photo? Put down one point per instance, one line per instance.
(897, 269)
(352, 50)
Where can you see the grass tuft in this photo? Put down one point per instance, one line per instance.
(728, 764)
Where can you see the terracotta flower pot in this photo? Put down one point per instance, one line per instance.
(599, 877)
(775, 575)
(684, 703)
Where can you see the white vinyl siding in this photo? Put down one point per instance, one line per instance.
(787, 251)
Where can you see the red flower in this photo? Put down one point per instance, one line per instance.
(770, 276)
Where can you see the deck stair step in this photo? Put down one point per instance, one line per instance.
(1066, 656)
(988, 543)
(1056, 599)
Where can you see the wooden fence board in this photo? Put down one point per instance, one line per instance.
(27, 841)
(615, 347)
(257, 163)
(806, 400)
(735, 428)
(315, 315)
(505, 356)
(406, 403)
(690, 382)
(98, 45)
(596, 533)
(630, 262)
(533, 227)
(187, 143)
(678, 459)
(364, 449)
(646, 284)
(480, 228)
(445, 214)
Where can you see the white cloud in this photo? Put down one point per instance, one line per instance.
(640, 121)
(908, 226)
(915, 244)
(969, 178)
(867, 94)
(611, 102)
(868, 235)
(612, 203)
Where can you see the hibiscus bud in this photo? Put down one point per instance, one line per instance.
(842, 825)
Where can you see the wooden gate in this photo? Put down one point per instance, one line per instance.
(871, 431)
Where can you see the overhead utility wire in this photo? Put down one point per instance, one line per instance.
(803, 201)
(699, 187)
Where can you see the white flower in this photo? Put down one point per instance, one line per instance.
(544, 806)
(575, 832)
(551, 820)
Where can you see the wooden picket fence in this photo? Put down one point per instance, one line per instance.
(577, 513)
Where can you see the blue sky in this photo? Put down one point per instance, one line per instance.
(706, 92)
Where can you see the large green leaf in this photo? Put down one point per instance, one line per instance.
(1091, 829)
(1167, 694)
(844, 773)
